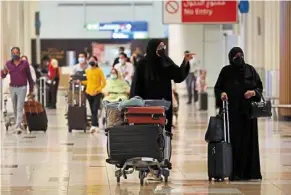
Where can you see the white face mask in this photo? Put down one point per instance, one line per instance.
(81, 60)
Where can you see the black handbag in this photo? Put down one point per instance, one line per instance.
(214, 131)
(261, 109)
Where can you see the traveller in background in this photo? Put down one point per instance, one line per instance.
(82, 64)
(136, 56)
(78, 74)
(116, 87)
(191, 81)
(117, 59)
(239, 83)
(153, 76)
(94, 86)
(54, 79)
(125, 68)
(19, 71)
(32, 71)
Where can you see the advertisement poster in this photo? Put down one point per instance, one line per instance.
(98, 51)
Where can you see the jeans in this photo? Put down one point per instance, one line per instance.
(94, 102)
(191, 85)
(18, 95)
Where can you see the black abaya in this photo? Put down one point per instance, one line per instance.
(235, 82)
(158, 87)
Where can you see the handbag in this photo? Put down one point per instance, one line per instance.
(261, 109)
(214, 131)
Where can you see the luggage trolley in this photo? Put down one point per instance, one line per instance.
(117, 129)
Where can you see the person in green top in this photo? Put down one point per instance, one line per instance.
(117, 89)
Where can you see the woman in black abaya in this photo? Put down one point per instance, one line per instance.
(239, 83)
(153, 75)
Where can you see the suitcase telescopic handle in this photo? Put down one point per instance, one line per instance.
(226, 122)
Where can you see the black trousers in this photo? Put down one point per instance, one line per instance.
(53, 92)
(94, 102)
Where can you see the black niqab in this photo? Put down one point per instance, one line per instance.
(154, 62)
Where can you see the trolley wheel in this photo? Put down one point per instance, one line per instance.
(218, 179)
(209, 179)
(118, 179)
(166, 179)
(141, 177)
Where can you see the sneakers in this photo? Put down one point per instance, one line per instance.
(93, 129)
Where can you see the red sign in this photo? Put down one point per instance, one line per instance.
(195, 11)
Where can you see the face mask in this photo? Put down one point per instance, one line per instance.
(238, 61)
(81, 60)
(15, 57)
(113, 76)
(92, 63)
(161, 52)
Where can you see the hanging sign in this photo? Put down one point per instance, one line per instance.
(200, 11)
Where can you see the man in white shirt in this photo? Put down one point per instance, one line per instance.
(191, 80)
(82, 65)
(125, 68)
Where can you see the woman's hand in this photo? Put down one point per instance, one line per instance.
(189, 56)
(249, 94)
(223, 96)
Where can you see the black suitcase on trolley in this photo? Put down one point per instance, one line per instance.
(131, 141)
(220, 154)
(77, 114)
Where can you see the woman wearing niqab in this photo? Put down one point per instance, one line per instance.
(153, 75)
(240, 84)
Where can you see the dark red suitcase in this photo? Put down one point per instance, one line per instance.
(145, 115)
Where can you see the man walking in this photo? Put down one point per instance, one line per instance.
(19, 71)
(191, 81)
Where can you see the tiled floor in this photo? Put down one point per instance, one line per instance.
(59, 163)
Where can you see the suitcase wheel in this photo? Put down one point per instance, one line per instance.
(70, 130)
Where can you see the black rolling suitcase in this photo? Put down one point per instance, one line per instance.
(203, 101)
(77, 114)
(220, 154)
(127, 142)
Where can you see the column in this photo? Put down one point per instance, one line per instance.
(285, 58)
(204, 40)
(184, 37)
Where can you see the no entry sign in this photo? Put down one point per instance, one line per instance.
(200, 11)
(172, 7)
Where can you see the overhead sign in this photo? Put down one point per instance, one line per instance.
(122, 29)
(199, 11)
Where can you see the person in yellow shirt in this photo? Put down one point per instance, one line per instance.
(94, 86)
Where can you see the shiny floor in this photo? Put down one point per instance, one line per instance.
(59, 163)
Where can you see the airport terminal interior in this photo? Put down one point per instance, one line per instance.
(59, 162)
